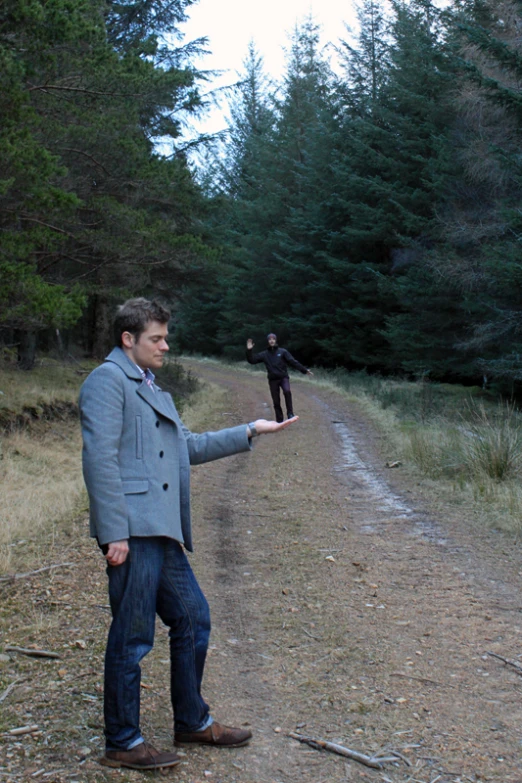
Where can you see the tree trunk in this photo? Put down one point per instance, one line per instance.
(102, 342)
(26, 350)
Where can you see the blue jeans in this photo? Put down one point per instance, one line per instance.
(156, 577)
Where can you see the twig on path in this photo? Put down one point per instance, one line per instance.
(5, 694)
(318, 744)
(23, 730)
(12, 577)
(400, 756)
(33, 653)
(316, 638)
(420, 679)
(516, 666)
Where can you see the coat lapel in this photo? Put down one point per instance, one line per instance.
(155, 400)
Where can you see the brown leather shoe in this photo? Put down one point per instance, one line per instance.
(142, 756)
(216, 734)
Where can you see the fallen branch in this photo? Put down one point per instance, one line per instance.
(23, 730)
(5, 694)
(32, 573)
(515, 665)
(400, 756)
(420, 679)
(318, 744)
(33, 653)
(316, 638)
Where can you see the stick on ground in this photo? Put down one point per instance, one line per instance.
(32, 573)
(33, 653)
(515, 665)
(5, 694)
(318, 744)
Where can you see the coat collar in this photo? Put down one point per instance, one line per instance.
(156, 399)
(119, 357)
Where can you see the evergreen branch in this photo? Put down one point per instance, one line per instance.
(496, 48)
(22, 216)
(45, 87)
(504, 95)
(86, 154)
(91, 271)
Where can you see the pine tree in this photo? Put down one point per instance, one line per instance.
(94, 205)
(221, 307)
(392, 169)
(490, 113)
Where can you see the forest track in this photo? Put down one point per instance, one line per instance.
(344, 606)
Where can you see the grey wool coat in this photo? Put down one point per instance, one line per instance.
(137, 455)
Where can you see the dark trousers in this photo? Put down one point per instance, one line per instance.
(275, 387)
(155, 578)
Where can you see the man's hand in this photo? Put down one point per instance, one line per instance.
(117, 552)
(263, 426)
(309, 372)
(250, 344)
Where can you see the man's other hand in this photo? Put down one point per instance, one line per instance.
(117, 552)
(250, 344)
(263, 426)
(309, 372)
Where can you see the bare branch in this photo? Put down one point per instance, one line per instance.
(45, 87)
(33, 653)
(86, 154)
(318, 744)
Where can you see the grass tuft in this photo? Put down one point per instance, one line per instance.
(492, 443)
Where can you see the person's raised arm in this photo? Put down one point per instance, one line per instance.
(252, 358)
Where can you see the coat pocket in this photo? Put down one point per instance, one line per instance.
(139, 438)
(135, 486)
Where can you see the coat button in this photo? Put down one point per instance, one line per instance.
(157, 424)
(161, 453)
(165, 486)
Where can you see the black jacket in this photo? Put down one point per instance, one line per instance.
(276, 360)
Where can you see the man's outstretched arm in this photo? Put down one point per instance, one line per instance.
(263, 426)
(209, 446)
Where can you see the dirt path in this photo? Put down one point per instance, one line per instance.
(343, 607)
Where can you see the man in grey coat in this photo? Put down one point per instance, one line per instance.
(136, 462)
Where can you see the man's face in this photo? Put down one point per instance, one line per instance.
(272, 341)
(150, 348)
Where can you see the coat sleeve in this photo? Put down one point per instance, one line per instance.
(213, 445)
(254, 358)
(294, 363)
(101, 415)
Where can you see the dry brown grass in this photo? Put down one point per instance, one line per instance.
(202, 407)
(41, 484)
(50, 381)
(40, 478)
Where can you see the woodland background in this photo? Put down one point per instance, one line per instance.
(371, 215)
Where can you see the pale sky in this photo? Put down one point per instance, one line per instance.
(231, 24)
